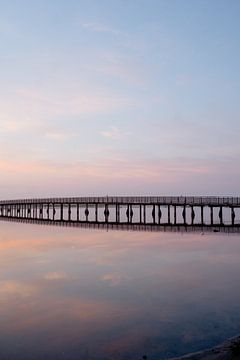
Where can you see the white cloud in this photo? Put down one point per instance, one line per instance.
(56, 276)
(32, 110)
(113, 133)
(96, 27)
(58, 135)
(114, 279)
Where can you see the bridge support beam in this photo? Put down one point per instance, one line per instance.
(184, 214)
(61, 212)
(96, 212)
(106, 213)
(220, 214)
(169, 214)
(48, 211)
(131, 214)
(117, 213)
(202, 215)
(211, 214)
(86, 212)
(54, 211)
(233, 216)
(153, 215)
(192, 214)
(69, 212)
(159, 214)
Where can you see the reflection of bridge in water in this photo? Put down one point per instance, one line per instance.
(227, 229)
(134, 213)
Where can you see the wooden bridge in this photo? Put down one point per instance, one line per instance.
(138, 210)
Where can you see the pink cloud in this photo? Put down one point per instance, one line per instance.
(116, 176)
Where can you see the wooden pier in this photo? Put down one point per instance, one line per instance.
(138, 210)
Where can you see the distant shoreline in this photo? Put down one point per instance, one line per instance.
(229, 349)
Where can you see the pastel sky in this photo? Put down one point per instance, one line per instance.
(119, 97)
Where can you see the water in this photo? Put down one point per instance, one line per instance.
(69, 293)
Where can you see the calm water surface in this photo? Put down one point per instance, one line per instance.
(69, 293)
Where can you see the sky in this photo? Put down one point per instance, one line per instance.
(119, 97)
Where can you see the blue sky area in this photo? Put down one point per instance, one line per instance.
(119, 97)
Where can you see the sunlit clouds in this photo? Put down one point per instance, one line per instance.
(158, 175)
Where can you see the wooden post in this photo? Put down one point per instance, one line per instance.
(61, 212)
(159, 214)
(169, 214)
(184, 214)
(202, 215)
(211, 214)
(69, 212)
(153, 214)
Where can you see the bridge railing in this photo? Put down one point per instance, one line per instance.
(162, 200)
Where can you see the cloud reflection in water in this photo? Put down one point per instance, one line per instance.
(73, 293)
